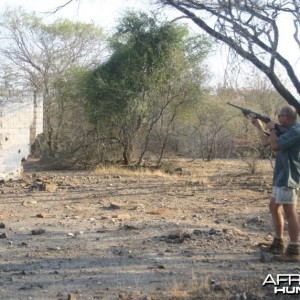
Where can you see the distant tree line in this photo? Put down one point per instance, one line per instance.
(137, 96)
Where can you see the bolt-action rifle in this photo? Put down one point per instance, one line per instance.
(279, 128)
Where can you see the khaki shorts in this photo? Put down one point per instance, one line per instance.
(284, 195)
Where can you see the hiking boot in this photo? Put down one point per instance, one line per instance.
(292, 254)
(276, 247)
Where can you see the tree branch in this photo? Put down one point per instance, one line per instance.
(55, 10)
(250, 29)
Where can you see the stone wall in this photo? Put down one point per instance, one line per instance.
(21, 120)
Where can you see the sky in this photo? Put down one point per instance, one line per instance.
(106, 13)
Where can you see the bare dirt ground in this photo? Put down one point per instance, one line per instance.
(115, 234)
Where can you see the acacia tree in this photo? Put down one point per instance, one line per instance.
(119, 92)
(173, 104)
(35, 55)
(252, 29)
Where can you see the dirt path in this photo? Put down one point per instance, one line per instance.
(136, 235)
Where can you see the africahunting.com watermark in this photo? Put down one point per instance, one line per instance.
(284, 284)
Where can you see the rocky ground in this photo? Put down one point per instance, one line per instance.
(187, 232)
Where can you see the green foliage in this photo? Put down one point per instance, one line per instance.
(141, 50)
(65, 29)
(153, 73)
(67, 86)
(18, 18)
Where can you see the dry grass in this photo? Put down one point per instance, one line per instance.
(116, 170)
(216, 172)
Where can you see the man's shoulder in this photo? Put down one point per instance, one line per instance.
(295, 127)
(290, 137)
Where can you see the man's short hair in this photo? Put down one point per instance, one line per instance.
(289, 111)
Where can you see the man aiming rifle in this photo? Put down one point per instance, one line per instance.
(246, 112)
(286, 181)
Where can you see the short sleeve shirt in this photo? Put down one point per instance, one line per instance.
(287, 165)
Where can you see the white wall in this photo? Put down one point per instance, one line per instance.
(21, 120)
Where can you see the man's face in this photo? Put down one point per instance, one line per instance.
(282, 118)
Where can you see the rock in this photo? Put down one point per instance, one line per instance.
(28, 203)
(2, 225)
(233, 231)
(80, 232)
(146, 297)
(255, 220)
(198, 232)
(41, 215)
(3, 236)
(179, 234)
(37, 231)
(265, 257)
(123, 217)
(177, 237)
(71, 296)
(44, 185)
(54, 248)
(237, 232)
(128, 227)
(114, 206)
(38, 185)
(214, 231)
(50, 187)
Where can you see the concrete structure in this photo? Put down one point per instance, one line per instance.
(21, 120)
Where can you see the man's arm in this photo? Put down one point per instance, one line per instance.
(273, 138)
(266, 140)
